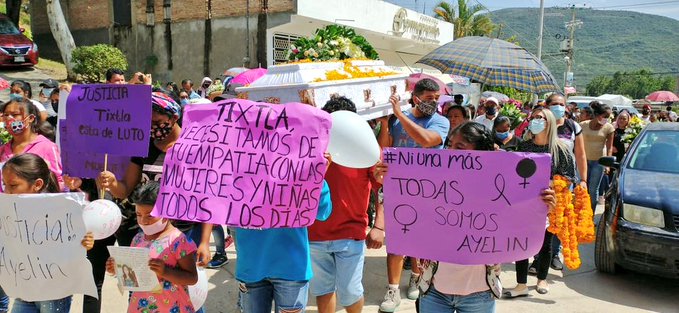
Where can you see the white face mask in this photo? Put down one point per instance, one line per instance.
(154, 228)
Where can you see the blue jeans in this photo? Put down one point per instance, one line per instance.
(50, 306)
(218, 234)
(338, 267)
(595, 173)
(4, 301)
(435, 302)
(288, 295)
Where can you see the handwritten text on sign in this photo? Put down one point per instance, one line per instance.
(246, 164)
(113, 119)
(465, 207)
(41, 257)
(88, 164)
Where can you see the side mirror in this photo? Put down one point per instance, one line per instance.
(22, 30)
(609, 161)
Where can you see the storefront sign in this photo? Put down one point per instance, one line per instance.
(424, 29)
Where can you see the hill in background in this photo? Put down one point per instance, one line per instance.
(608, 41)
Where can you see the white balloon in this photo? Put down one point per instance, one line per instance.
(352, 141)
(198, 292)
(102, 218)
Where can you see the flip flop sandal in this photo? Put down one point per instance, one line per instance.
(512, 293)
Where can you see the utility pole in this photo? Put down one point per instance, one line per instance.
(568, 76)
(542, 26)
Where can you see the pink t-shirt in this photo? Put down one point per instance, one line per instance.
(461, 280)
(42, 147)
(173, 298)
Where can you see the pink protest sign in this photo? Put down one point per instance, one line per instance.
(246, 164)
(465, 207)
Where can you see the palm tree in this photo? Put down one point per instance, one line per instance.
(467, 21)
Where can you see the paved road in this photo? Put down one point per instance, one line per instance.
(583, 290)
(31, 75)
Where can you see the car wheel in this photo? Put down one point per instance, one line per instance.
(602, 259)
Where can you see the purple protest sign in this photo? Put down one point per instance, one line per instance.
(246, 164)
(88, 164)
(465, 207)
(114, 119)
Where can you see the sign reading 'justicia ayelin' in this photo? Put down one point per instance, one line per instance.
(424, 28)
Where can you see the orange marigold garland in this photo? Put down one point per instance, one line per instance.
(571, 221)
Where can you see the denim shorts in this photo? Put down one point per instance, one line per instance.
(288, 296)
(338, 267)
(50, 306)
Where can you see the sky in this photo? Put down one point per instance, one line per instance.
(669, 8)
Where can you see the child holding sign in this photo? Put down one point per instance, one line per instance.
(26, 174)
(173, 259)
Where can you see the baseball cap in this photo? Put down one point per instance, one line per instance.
(492, 99)
(49, 83)
(647, 106)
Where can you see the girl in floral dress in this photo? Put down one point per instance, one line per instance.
(172, 258)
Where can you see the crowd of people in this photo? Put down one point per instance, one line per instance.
(325, 259)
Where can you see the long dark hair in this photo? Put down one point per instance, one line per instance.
(31, 167)
(477, 135)
(25, 86)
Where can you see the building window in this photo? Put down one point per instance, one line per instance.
(122, 13)
(281, 44)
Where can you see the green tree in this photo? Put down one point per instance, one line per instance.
(467, 20)
(636, 84)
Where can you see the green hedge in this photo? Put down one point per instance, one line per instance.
(91, 62)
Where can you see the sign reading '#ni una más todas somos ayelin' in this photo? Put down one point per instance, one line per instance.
(465, 207)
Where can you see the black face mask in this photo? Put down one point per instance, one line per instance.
(645, 112)
(55, 106)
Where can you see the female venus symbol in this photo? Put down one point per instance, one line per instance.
(526, 168)
(405, 215)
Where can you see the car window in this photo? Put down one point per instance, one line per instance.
(7, 28)
(657, 151)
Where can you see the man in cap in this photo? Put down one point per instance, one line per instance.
(646, 113)
(488, 118)
(48, 86)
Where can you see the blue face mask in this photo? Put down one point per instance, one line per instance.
(15, 97)
(502, 136)
(184, 102)
(536, 126)
(558, 110)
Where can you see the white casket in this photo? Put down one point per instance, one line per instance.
(306, 83)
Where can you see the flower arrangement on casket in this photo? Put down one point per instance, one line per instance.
(334, 62)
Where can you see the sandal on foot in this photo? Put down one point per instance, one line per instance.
(513, 293)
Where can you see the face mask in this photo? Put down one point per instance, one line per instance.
(184, 101)
(536, 126)
(15, 97)
(490, 111)
(154, 228)
(160, 132)
(646, 112)
(558, 111)
(427, 108)
(55, 106)
(603, 121)
(15, 127)
(502, 136)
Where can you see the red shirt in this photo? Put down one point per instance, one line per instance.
(350, 194)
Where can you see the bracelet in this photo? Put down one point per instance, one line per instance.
(375, 227)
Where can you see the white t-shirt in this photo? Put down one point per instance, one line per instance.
(488, 123)
(673, 116)
(41, 108)
(455, 279)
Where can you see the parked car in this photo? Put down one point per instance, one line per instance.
(15, 48)
(639, 229)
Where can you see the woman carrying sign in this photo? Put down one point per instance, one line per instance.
(447, 287)
(542, 137)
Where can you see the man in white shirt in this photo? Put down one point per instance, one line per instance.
(488, 119)
(671, 114)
